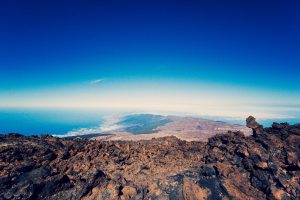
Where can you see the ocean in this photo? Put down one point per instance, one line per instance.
(48, 121)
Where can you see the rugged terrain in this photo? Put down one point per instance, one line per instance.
(264, 165)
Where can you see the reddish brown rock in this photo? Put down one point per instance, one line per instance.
(192, 191)
(228, 166)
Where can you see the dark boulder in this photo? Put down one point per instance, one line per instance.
(256, 127)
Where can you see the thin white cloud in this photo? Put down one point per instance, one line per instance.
(97, 81)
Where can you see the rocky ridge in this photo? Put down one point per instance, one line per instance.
(264, 165)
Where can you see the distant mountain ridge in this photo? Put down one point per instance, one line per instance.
(142, 123)
(148, 126)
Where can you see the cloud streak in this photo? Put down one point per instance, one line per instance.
(97, 81)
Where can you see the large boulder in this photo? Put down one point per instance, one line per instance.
(256, 127)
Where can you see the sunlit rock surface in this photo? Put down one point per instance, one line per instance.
(228, 166)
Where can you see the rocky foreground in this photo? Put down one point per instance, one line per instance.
(264, 165)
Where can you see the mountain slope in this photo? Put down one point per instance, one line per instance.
(147, 126)
(264, 165)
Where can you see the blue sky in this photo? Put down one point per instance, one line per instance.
(150, 54)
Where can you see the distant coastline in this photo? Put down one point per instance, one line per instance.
(86, 122)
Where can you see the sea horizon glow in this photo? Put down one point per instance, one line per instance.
(162, 97)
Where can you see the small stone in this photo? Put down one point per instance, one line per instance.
(128, 192)
(192, 191)
(262, 165)
(277, 193)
